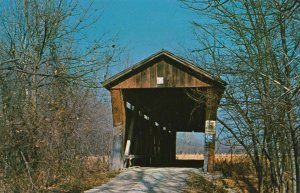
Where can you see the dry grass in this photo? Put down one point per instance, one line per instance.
(81, 183)
(198, 184)
(237, 169)
(238, 172)
(93, 172)
(79, 175)
(234, 164)
(95, 163)
(189, 156)
(218, 157)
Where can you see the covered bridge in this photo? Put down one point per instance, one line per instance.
(153, 100)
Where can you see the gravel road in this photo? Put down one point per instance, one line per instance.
(146, 180)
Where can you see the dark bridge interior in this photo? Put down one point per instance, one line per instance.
(153, 116)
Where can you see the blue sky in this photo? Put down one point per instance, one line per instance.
(144, 27)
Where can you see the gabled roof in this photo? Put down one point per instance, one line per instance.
(137, 67)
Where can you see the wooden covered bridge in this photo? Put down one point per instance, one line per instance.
(153, 100)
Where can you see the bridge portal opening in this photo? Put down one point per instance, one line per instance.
(153, 119)
(152, 101)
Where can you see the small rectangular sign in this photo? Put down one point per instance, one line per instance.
(210, 127)
(160, 80)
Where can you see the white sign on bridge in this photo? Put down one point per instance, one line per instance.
(210, 127)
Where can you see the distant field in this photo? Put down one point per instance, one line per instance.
(218, 157)
(189, 156)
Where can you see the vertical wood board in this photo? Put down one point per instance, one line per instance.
(118, 109)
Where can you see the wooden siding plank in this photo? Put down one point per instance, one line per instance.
(161, 69)
(153, 75)
(188, 80)
(174, 76)
(128, 83)
(178, 77)
(161, 72)
(118, 108)
(193, 81)
(182, 78)
(168, 75)
(145, 78)
(138, 80)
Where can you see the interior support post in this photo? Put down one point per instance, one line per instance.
(151, 142)
(119, 120)
(129, 139)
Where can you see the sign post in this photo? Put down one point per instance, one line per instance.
(210, 133)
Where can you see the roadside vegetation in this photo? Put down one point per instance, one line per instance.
(254, 46)
(198, 184)
(55, 132)
(232, 171)
(238, 173)
(52, 121)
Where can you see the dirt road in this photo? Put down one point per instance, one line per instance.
(147, 180)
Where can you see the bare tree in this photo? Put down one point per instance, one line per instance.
(46, 69)
(254, 46)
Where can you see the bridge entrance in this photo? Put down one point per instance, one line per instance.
(153, 100)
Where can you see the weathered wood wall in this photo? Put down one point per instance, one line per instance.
(173, 77)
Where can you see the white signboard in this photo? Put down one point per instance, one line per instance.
(160, 80)
(210, 127)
